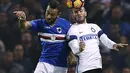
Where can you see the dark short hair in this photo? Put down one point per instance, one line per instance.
(55, 4)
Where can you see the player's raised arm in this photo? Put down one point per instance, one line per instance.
(23, 24)
(109, 43)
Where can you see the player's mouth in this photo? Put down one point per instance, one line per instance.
(48, 20)
(79, 18)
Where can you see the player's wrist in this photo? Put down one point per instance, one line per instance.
(81, 49)
(114, 46)
(22, 18)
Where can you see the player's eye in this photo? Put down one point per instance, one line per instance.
(81, 10)
(48, 13)
(52, 15)
(75, 11)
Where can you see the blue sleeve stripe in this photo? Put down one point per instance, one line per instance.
(72, 37)
(100, 33)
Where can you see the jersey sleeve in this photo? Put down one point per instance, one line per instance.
(34, 24)
(73, 40)
(73, 30)
(104, 39)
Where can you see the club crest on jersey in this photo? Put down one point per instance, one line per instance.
(53, 37)
(59, 30)
(93, 30)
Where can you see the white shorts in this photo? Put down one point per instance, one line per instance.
(43, 67)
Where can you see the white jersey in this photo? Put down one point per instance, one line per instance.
(91, 34)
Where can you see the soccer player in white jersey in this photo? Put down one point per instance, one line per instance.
(89, 60)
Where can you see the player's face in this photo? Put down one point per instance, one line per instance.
(51, 15)
(80, 15)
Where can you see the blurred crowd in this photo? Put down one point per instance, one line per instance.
(19, 51)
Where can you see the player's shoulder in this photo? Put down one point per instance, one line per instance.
(38, 20)
(74, 26)
(93, 24)
(95, 27)
(62, 20)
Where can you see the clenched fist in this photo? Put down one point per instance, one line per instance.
(82, 46)
(20, 14)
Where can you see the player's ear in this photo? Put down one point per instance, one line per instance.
(59, 13)
(85, 13)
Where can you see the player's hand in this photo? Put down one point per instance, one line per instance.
(81, 45)
(20, 14)
(119, 46)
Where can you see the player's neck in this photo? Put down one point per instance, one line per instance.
(52, 24)
(83, 22)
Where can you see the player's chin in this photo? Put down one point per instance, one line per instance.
(80, 21)
(48, 21)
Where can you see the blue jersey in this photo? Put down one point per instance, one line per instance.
(53, 40)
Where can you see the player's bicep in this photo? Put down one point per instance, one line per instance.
(73, 39)
(100, 32)
(104, 39)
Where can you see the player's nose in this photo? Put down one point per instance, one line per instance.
(48, 16)
(78, 12)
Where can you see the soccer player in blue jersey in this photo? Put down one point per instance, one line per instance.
(52, 32)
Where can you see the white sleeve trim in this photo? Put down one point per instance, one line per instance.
(74, 45)
(106, 41)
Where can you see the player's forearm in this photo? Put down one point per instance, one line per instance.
(106, 41)
(23, 25)
(71, 59)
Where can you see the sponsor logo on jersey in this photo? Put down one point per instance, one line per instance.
(88, 37)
